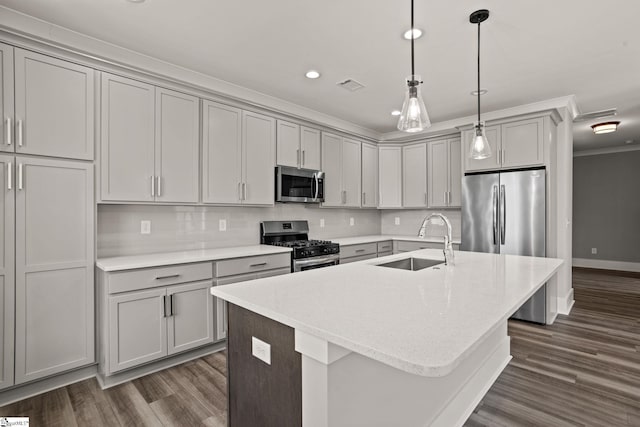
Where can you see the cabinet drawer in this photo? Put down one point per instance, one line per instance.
(251, 264)
(124, 281)
(406, 246)
(358, 250)
(385, 246)
(357, 258)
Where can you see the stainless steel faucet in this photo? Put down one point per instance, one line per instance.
(449, 258)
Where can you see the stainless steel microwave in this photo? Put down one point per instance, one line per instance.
(299, 185)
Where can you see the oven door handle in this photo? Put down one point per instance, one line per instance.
(317, 260)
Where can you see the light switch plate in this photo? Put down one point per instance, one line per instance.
(145, 227)
(261, 350)
(397, 220)
(222, 225)
(352, 221)
(321, 222)
(594, 251)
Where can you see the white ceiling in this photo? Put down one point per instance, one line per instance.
(531, 51)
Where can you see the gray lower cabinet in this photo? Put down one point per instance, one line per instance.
(151, 313)
(54, 255)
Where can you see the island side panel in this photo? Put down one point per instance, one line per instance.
(261, 394)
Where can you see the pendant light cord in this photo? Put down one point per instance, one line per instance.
(413, 72)
(478, 72)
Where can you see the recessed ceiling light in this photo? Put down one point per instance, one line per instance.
(475, 92)
(416, 32)
(312, 74)
(606, 127)
(396, 112)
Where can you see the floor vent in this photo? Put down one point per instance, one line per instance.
(350, 85)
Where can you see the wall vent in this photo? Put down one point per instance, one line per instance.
(350, 84)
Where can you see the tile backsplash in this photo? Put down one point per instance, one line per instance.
(175, 228)
(410, 221)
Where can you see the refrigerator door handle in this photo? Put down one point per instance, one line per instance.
(495, 213)
(503, 215)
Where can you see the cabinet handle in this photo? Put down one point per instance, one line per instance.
(171, 313)
(8, 131)
(344, 196)
(164, 306)
(385, 247)
(244, 191)
(9, 176)
(19, 124)
(303, 159)
(19, 176)
(171, 276)
(159, 186)
(260, 264)
(359, 250)
(153, 186)
(425, 198)
(298, 157)
(503, 156)
(239, 191)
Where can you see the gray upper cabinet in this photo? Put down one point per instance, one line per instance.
(390, 177)
(177, 147)
(54, 267)
(128, 139)
(288, 144)
(7, 270)
(6, 98)
(221, 153)
(369, 176)
(238, 156)
(259, 149)
(444, 173)
(310, 148)
(414, 175)
(150, 143)
(54, 107)
(341, 163)
(514, 144)
(297, 146)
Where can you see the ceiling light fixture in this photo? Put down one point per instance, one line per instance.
(415, 33)
(413, 117)
(480, 148)
(312, 74)
(476, 92)
(606, 127)
(396, 112)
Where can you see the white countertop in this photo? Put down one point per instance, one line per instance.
(346, 241)
(422, 322)
(184, 257)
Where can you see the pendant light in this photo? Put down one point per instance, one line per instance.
(480, 148)
(413, 117)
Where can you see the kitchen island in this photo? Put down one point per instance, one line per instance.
(366, 345)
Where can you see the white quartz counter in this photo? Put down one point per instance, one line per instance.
(184, 257)
(346, 241)
(422, 322)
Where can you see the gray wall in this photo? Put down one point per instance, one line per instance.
(606, 206)
(175, 228)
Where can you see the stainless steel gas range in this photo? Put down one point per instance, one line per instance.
(307, 254)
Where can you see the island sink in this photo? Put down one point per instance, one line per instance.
(412, 264)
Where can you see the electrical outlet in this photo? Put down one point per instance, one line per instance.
(352, 221)
(397, 220)
(261, 350)
(594, 251)
(321, 222)
(222, 225)
(145, 227)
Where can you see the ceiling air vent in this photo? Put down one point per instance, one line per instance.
(350, 85)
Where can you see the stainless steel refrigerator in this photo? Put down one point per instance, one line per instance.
(505, 213)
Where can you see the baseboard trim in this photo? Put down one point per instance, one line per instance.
(602, 264)
(131, 374)
(34, 388)
(565, 303)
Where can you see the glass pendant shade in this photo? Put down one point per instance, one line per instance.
(414, 117)
(480, 148)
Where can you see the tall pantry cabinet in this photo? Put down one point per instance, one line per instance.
(47, 216)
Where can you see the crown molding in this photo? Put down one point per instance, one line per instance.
(608, 150)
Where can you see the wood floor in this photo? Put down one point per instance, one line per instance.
(582, 371)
